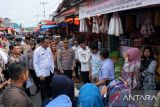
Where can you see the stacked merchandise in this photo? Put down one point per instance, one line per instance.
(141, 28)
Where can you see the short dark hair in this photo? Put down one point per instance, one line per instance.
(44, 38)
(32, 42)
(16, 70)
(104, 53)
(39, 39)
(27, 38)
(13, 44)
(93, 46)
(81, 41)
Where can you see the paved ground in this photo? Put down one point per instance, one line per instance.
(36, 100)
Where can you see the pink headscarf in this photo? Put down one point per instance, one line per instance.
(134, 55)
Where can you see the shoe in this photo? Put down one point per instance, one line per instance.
(37, 91)
(32, 95)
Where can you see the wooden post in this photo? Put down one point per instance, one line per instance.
(67, 30)
(58, 30)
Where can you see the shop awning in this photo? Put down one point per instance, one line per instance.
(1, 29)
(36, 29)
(13, 30)
(47, 22)
(48, 26)
(62, 24)
(70, 20)
(59, 19)
(69, 12)
(1, 33)
(76, 21)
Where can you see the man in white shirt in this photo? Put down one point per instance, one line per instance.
(3, 61)
(4, 55)
(84, 56)
(95, 61)
(76, 47)
(44, 66)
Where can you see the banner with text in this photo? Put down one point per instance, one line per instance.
(96, 7)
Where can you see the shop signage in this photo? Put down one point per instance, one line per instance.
(96, 7)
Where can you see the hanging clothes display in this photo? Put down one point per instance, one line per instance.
(89, 24)
(115, 25)
(147, 28)
(99, 20)
(95, 27)
(83, 26)
(104, 25)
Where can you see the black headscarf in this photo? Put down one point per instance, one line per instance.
(61, 84)
(145, 61)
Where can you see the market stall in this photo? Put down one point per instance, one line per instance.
(125, 24)
(129, 23)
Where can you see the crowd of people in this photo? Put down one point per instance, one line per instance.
(52, 63)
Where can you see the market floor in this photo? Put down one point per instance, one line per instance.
(36, 99)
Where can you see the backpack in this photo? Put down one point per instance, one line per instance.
(116, 93)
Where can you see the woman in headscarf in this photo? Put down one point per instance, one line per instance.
(148, 68)
(89, 96)
(61, 84)
(131, 67)
(60, 101)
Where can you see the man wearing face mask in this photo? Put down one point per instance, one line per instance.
(30, 65)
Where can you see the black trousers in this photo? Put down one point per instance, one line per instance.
(68, 73)
(85, 77)
(35, 78)
(78, 65)
(46, 89)
(27, 90)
